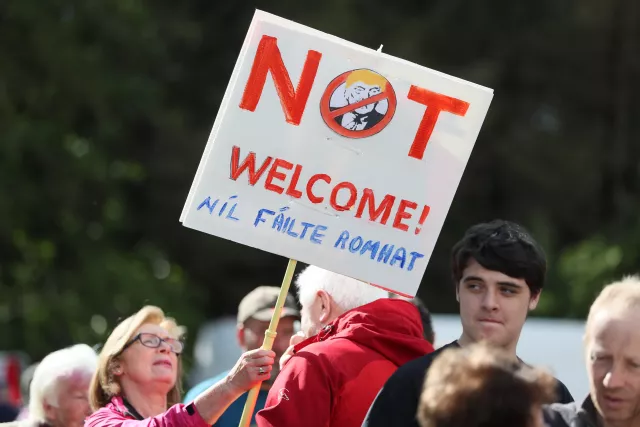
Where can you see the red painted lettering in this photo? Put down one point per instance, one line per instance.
(291, 190)
(423, 217)
(248, 163)
(268, 58)
(274, 174)
(352, 197)
(435, 103)
(384, 209)
(401, 214)
(312, 197)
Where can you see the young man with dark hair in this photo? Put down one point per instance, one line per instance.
(499, 271)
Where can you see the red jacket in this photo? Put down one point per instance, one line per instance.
(334, 376)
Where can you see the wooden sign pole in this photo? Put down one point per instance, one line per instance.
(269, 337)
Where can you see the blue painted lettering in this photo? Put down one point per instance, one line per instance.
(344, 236)
(278, 221)
(259, 217)
(224, 206)
(414, 257)
(370, 246)
(355, 245)
(208, 204)
(306, 226)
(401, 256)
(289, 232)
(316, 236)
(385, 253)
(230, 214)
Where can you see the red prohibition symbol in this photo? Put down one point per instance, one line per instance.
(358, 103)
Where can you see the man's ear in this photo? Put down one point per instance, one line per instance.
(533, 301)
(458, 292)
(325, 307)
(240, 335)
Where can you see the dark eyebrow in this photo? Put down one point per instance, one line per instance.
(470, 278)
(480, 279)
(510, 285)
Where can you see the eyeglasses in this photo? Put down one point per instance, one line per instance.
(154, 341)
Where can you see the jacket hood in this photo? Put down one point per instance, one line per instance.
(391, 327)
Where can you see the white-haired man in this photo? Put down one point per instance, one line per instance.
(612, 347)
(357, 337)
(58, 395)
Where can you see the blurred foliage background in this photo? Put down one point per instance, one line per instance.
(106, 106)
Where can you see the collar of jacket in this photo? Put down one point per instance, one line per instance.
(324, 333)
(588, 414)
(125, 408)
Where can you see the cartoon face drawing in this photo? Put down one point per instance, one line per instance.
(355, 87)
(359, 91)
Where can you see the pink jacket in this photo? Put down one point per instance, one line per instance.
(116, 414)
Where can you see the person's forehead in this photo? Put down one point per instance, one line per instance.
(150, 328)
(615, 323)
(615, 332)
(77, 380)
(475, 269)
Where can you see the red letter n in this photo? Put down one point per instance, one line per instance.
(435, 103)
(268, 58)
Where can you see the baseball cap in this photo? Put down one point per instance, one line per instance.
(260, 303)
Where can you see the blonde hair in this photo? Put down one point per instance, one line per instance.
(368, 77)
(104, 385)
(482, 385)
(619, 297)
(79, 359)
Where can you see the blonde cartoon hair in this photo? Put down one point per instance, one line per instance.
(368, 77)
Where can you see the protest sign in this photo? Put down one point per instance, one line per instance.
(335, 155)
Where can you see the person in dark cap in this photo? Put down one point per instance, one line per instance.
(254, 314)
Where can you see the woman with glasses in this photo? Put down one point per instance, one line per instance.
(137, 382)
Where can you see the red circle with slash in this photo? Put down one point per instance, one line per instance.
(329, 116)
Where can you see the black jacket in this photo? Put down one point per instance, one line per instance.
(571, 414)
(397, 403)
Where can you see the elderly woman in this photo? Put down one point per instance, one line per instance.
(137, 382)
(58, 394)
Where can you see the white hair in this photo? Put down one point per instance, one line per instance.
(621, 297)
(56, 366)
(347, 293)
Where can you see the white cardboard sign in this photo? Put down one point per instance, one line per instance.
(335, 155)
